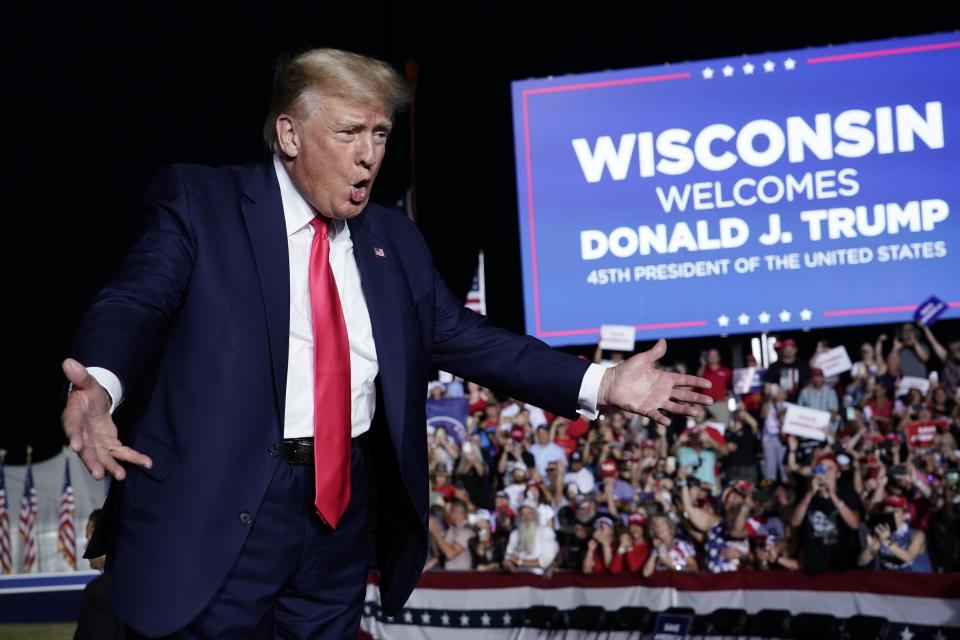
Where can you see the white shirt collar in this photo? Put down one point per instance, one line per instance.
(297, 212)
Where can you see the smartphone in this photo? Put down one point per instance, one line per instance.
(851, 413)
(670, 465)
(882, 518)
(819, 470)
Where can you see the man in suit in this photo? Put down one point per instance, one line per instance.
(281, 451)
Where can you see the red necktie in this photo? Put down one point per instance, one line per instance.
(331, 383)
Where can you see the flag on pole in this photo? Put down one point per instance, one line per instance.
(477, 296)
(28, 521)
(67, 539)
(6, 557)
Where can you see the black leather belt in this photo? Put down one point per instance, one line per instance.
(297, 450)
(300, 450)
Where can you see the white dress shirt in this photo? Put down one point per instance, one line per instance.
(298, 420)
(298, 415)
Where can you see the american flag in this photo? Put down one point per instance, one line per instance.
(67, 538)
(28, 522)
(6, 563)
(477, 296)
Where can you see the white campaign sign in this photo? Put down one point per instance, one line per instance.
(834, 362)
(618, 337)
(910, 382)
(806, 422)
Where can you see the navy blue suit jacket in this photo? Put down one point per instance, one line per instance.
(205, 289)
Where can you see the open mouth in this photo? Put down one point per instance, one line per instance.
(358, 191)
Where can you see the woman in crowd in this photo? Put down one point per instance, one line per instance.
(634, 549)
(668, 553)
(896, 548)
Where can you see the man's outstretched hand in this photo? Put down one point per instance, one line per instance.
(90, 429)
(636, 386)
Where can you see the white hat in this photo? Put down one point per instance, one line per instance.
(531, 504)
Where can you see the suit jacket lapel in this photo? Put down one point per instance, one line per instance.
(263, 215)
(385, 293)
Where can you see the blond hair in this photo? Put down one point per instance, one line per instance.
(332, 72)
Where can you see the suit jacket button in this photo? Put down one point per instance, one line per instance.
(245, 518)
(274, 450)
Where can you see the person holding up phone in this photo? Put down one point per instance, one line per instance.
(828, 518)
(891, 543)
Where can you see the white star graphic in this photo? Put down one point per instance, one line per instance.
(748, 69)
(506, 619)
(727, 71)
(464, 620)
(485, 620)
(407, 616)
(769, 66)
(784, 316)
(743, 319)
(805, 314)
(764, 317)
(367, 610)
(445, 619)
(723, 321)
(789, 64)
(707, 73)
(906, 634)
(425, 618)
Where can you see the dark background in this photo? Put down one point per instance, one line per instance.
(98, 97)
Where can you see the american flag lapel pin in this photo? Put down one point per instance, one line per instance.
(377, 251)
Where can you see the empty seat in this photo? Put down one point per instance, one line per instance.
(724, 622)
(861, 627)
(586, 617)
(541, 617)
(768, 623)
(628, 619)
(813, 626)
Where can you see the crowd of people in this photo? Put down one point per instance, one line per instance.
(730, 490)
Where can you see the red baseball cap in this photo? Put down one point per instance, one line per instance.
(517, 433)
(742, 486)
(608, 469)
(816, 371)
(637, 518)
(895, 501)
(827, 456)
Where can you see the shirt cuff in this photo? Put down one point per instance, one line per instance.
(110, 382)
(589, 389)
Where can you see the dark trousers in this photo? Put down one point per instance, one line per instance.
(295, 577)
(97, 621)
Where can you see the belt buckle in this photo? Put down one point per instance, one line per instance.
(297, 450)
(304, 451)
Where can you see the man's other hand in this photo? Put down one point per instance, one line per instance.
(635, 385)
